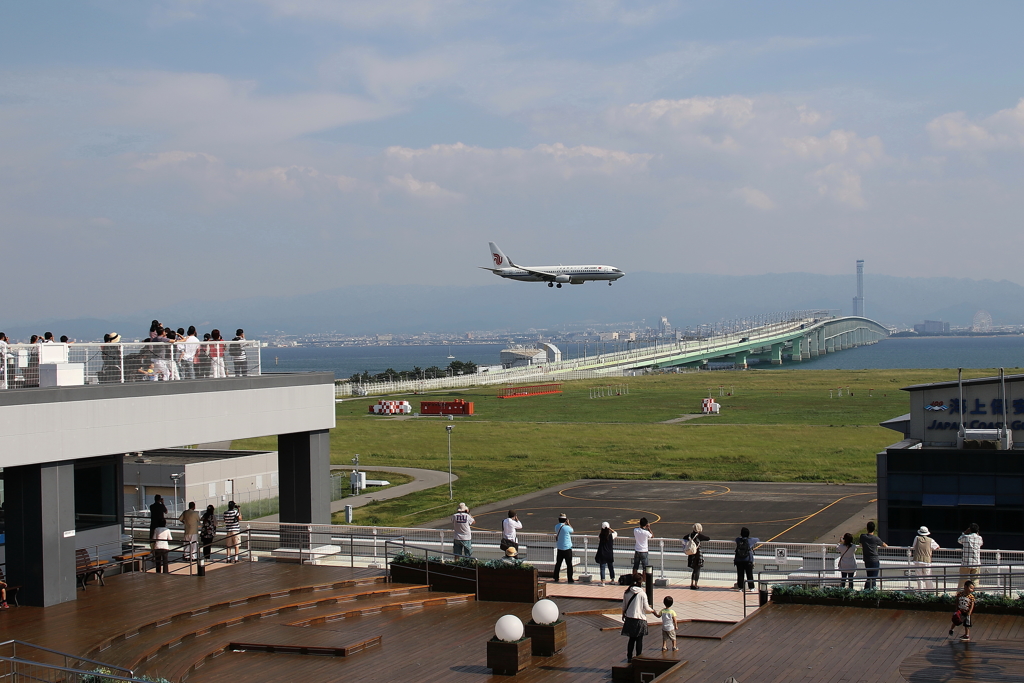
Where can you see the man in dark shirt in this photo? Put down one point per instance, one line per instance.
(237, 352)
(157, 514)
(869, 545)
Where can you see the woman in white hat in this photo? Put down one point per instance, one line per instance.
(921, 551)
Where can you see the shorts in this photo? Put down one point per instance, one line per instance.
(233, 539)
(668, 637)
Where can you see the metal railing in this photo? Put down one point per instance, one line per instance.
(130, 361)
(16, 665)
(430, 556)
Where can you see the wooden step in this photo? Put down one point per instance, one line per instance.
(150, 641)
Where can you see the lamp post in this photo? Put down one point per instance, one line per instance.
(451, 493)
(175, 477)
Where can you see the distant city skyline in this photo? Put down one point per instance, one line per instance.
(181, 150)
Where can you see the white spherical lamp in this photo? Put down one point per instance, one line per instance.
(545, 612)
(509, 628)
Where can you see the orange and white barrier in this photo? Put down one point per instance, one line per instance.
(710, 407)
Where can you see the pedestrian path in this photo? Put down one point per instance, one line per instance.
(422, 480)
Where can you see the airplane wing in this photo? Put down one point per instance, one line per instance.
(539, 273)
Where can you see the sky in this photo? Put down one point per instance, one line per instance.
(158, 152)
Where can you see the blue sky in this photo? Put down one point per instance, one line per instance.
(237, 148)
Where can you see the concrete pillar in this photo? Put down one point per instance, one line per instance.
(805, 348)
(822, 344)
(797, 353)
(40, 527)
(777, 354)
(812, 345)
(741, 360)
(304, 477)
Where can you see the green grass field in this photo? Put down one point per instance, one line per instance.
(777, 425)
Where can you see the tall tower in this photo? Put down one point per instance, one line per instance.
(858, 301)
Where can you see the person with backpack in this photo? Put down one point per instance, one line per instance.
(846, 563)
(921, 553)
(634, 616)
(743, 558)
(605, 556)
(563, 548)
(694, 557)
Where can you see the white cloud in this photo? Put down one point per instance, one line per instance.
(755, 198)
(422, 189)
(373, 14)
(840, 184)
(1002, 130)
(838, 144)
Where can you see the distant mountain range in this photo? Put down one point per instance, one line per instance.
(685, 299)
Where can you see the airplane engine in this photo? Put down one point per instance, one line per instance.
(562, 278)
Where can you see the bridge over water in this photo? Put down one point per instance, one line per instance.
(799, 338)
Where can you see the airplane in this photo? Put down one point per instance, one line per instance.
(555, 276)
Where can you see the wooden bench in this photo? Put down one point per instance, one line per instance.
(135, 559)
(86, 567)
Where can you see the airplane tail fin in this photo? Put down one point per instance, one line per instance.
(499, 258)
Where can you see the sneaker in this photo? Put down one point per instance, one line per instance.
(664, 649)
(950, 633)
(964, 639)
(4, 605)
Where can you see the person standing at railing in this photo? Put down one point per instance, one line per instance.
(563, 548)
(157, 515)
(462, 522)
(161, 549)
(641, 536)
(233, 527)
(190, 520)
(695, 559)
(509, 526)
(216, 352)
(110, 353)
(207, 530)
(869, 545)
(970, 559)
(3, 359)
(237, 351)
(921, 553)
(160, 348)
(204, 365)
(187, 356)
(846, 563)
(605, 556)
(743, 558)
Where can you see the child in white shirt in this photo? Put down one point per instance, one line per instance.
(668, 625)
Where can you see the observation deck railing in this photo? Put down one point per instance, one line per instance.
(132, 361)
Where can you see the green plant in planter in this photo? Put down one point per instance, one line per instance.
(406, 558)
(531, 622)
(502, 564)
(466, 562)
(494, 639)
(102, 675)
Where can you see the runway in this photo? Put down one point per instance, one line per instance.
(772, 511)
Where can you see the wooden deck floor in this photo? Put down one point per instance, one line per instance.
(166, 625)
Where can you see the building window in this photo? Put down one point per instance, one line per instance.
(96, 491)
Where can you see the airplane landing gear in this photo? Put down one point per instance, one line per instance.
(551, 284)
(559, 285)
(609, 284)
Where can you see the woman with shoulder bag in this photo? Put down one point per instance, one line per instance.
(846, 563)
(634, 616)
(694, 557)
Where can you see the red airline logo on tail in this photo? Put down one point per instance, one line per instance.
(497, 259)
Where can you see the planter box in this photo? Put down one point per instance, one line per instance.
(893, 604)
(509, 585)
(548, 639)
(508, 659)
(495, 585)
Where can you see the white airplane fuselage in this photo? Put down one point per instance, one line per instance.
(575, 275)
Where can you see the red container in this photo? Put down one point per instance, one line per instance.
(456, 407)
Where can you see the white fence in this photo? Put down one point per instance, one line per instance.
(129, 362)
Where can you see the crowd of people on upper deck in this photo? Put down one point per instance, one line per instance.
(166, 354)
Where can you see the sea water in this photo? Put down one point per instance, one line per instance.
(899, 352)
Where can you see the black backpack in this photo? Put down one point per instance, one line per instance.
(742, 550)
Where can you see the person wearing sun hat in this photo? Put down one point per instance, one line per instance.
(110, 352)
(921, 553)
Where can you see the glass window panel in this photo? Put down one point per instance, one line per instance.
(905, 482)
(940, 484)
(939, 500)
(975, 485)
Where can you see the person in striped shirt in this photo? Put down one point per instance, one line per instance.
(233, 527)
